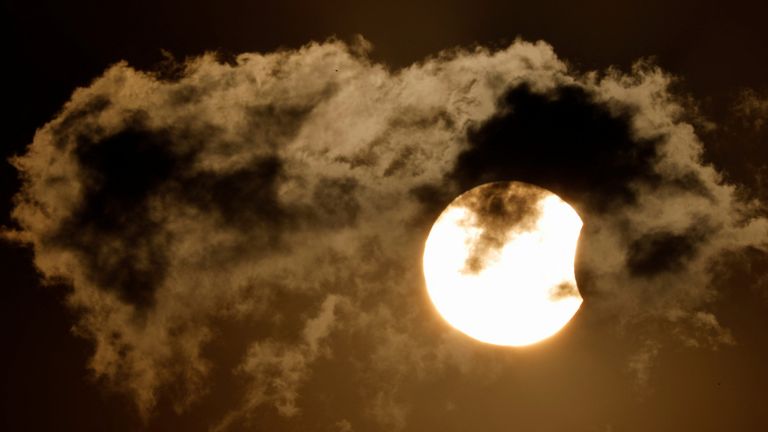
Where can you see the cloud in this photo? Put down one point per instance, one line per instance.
(497, 209)
(641, 362)
(276, 370)
(290, 193)
(752, 108)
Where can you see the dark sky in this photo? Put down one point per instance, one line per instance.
(715, 49)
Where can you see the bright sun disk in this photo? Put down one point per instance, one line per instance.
(525, 291)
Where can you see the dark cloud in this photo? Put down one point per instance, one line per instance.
(660, 252)
(117, 230)
(245, 198)
(498, 210)
(335, 201)
(564, 290)
(113, 230)
(564, 140)
(587, 151)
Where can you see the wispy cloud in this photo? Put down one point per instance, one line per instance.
(292, 192)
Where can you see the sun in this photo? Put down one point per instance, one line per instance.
(499, 263)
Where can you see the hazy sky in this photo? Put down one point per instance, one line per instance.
(214, 213)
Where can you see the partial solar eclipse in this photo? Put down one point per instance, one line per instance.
(499, 263)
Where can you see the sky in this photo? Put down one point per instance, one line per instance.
(213, 214)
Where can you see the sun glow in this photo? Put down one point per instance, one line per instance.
(524, 293)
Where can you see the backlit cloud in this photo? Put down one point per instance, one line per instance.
(280, 203)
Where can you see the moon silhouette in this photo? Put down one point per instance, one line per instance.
(499, 263)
